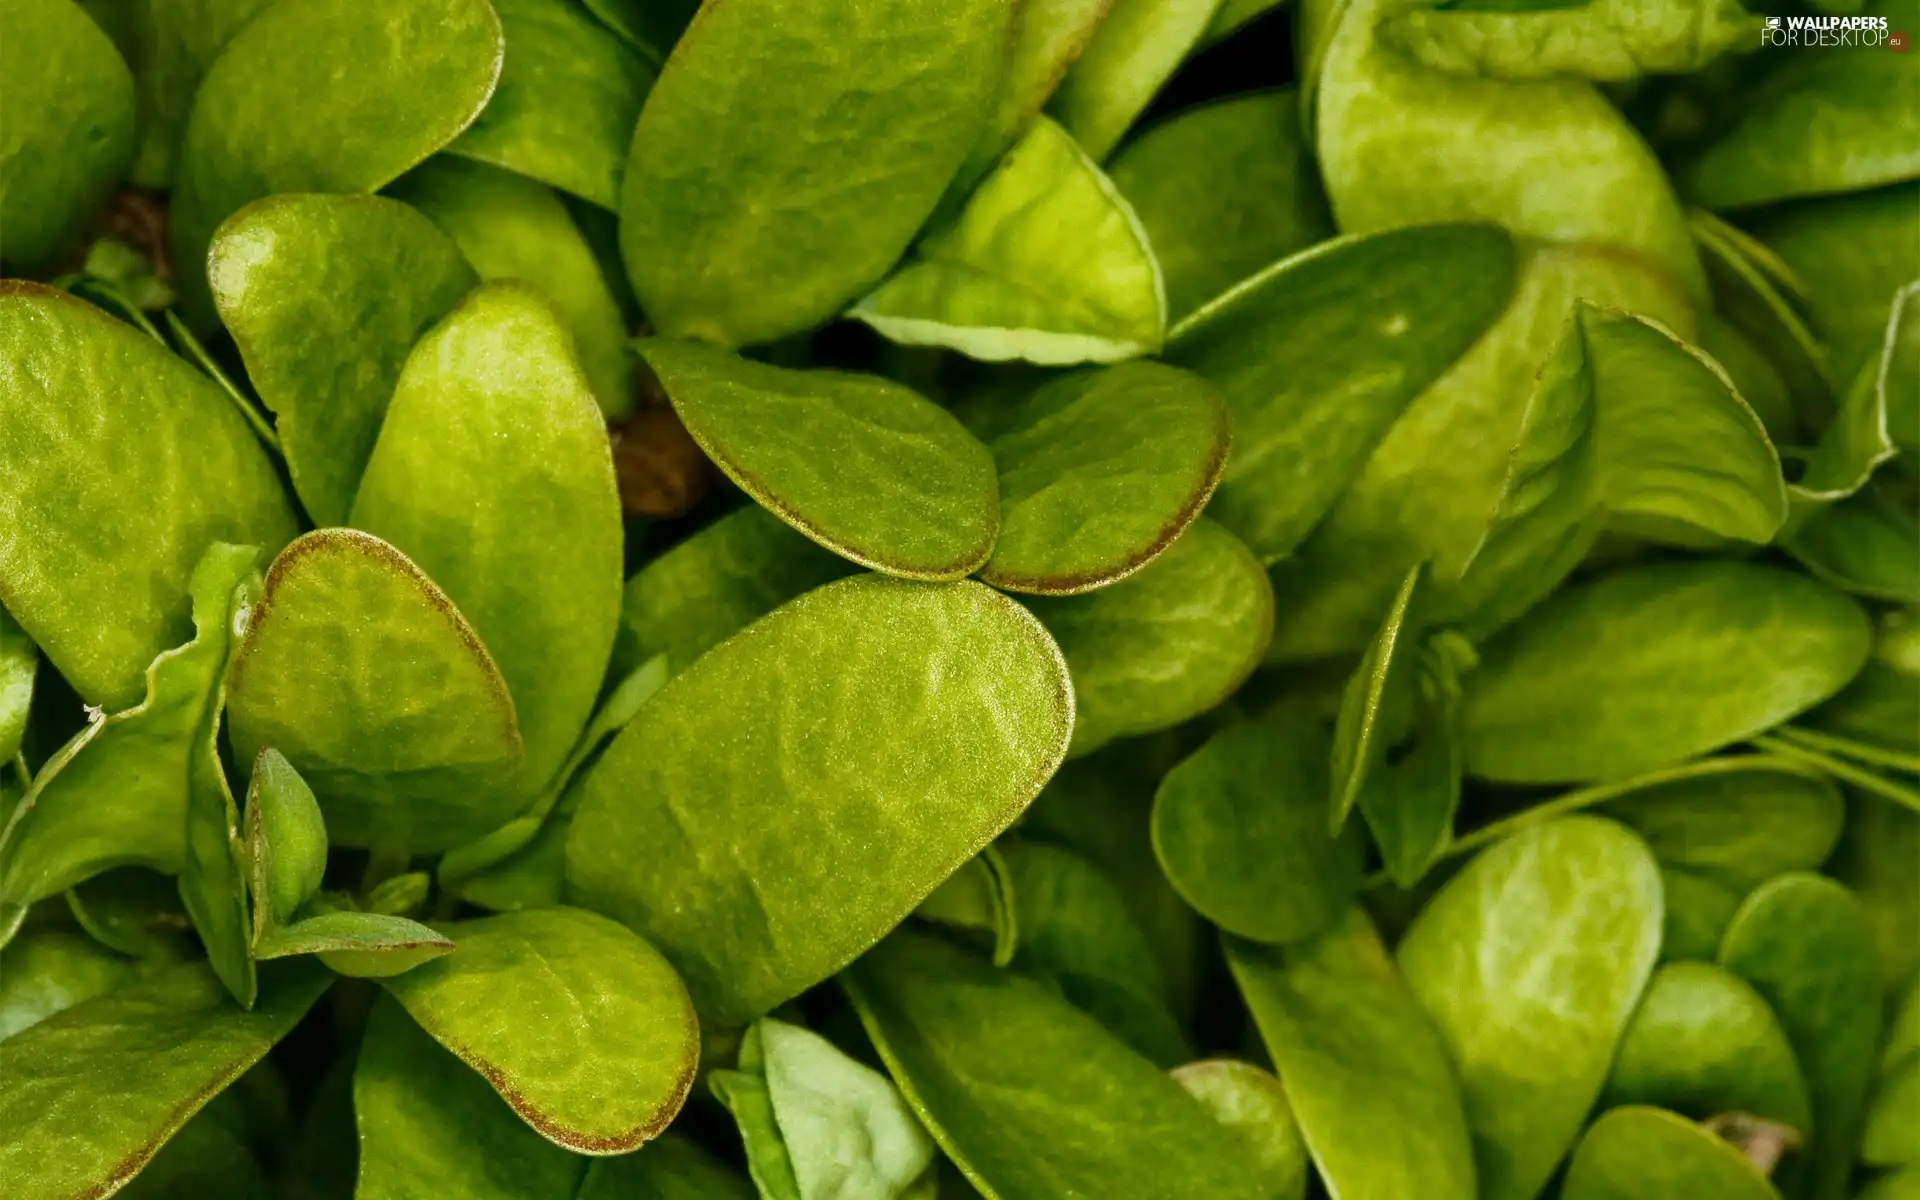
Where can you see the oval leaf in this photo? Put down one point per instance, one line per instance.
(789, 153)
(1633, 1153)
(911, 492)
(1655, 664)
(604, 1080)
(1046, 262)
(1251, 1103)
(1133, 52)
(1531, 960)
(286, 842)
(346, 624)
(710, 786)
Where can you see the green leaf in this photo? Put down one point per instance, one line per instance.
(1751, 289)
(1135, 50)
(1046, 262)
(1374, 706)
(1223, 190)
(1635, 1152)
(1875, 860)
(361, 944)
(1410, 799)
(117, 793)
(494, 475)
(1075, 930)
(1531, 961)
(110, 1080)
(1399, 306)
(270, 117)
(1241, 832)
(1251, 1103)
(1233, 15)
(70, 129)
(649, 26)
(1704, 1043)
(1049, 35)
(104, 541)
(1027, 1095)
(911, 492)
(1655, 664)
(1889, 1138)
(325, 295)
(789, 153)
(607, 1079)
(286, 840)
(170, 44)
(1166, 644)
(134, 911)
(1804, 943)
(669, 1168)
(1812, 125)
(840, 1127)
(1903, 1184)
(1363, 1066)
(709, 784)
(1100, 473)
(747, 1098)
(208, 1157)
(714, 584)
(568, 98)
(19, 663)
(1741, 825)
(429, 1126)
(47, 971)
(979, 897)
(1860, 544)
(1612, 41)
(511, 227)
(401, 894)
(348, 623)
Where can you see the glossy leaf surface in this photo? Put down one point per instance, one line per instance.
(346, 624)
(270, 117)
(1167, 643)
(1046, 262)
(910, 491)
(493, 474)
(1030, 1097)
(581, 1026)
(1099, 474)
(324, 296)
(789, 153)
(1655, 664)
(1531, 961)
(120, 465)
(747, 921)
(1359, 1058)
(1635, 1152)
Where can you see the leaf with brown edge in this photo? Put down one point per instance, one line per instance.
(87, 1097)
(582, 1027)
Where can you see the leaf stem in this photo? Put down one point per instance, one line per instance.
(107, 296)
(1867, 781)
(1865, 752)
(200, 357)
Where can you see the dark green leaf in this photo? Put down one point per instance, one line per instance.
(711, 786)
(1134, 51)
(134, 911)
(670, 1168)
(979, 897)
(47, 971)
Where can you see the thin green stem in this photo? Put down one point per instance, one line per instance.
(1812, 739)
(108, 296)
(1867, 781)
(198, 353)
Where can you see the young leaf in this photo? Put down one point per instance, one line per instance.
(568, 98)
(1400, 307)
(1223, 191)
(364, 945)
(1409, 800)
(1241, 832)
(1653, 665)
(911, 492)
(1166, 644)
(347, 623)
(117, 793)
(1134, 51)
(747, 921)
(70, 131)
(1375, 706)
(429, 1126)
(47, 971)
(608, 1079)
(745, 1096)
(1803, 942)
(493, 474)
(980, 897)
(789, 153)
(1610, 41)
(1026, 1094)
(110, 1080)
(1704, 1043)
(1635, 1152)
(1252, 1103)
(1531, 961)
(512, 227)
(103, 539)
(717, 582)
(270, 117)
(286, 839)
(1045, 263)
(1101, 473)
(324, 296)
(1362, 1065)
